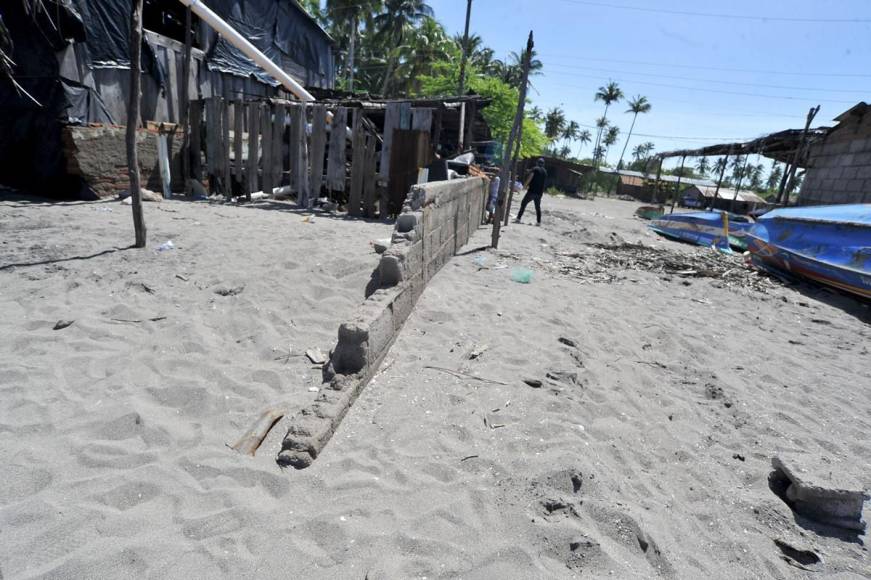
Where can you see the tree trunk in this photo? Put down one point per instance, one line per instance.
(133, 121)
(391, 64)
(625, 145)
(351, 53)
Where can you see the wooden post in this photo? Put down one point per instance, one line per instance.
(303, 196)
(391, 122)
(266, 142)
(471, 111)
(369, 177)
(798, 152)
(358, 164)
(782, 186)
(184, 117)
(238, 130)
(336, 161)
(278, 131)
(253, 126)
(512, 176)
(318, 148)
(195, 124)
(656, 183)
(225, 148)
(509, 149)
(133, 122)
(720, 180)
(293, 152)
(677, 187)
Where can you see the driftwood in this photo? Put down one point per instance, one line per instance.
(253, 438)
(461, 375)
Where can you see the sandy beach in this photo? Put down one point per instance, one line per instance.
(661, 381)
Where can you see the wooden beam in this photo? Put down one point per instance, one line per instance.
(238, 130)
(133, 122)
(184, 118)
(318, 148)
(304, 196)
(278, 130)
(253, 135)
(369, 176)
(195, 123)
(225, 148)
(677, 187)
(358, 164)
(391, 122)
(336, 161)
(266, 155)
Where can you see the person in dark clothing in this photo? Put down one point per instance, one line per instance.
(534, 190)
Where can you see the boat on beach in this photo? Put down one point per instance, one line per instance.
(704, 228)
(828, 244)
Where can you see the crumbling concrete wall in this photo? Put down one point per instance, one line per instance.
(436, 221)
(839, 168)
(98, 154)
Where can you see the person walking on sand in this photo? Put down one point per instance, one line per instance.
(534, 190)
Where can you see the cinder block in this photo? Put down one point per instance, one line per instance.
(849, 172)
(403, 303)
(390, 268)
(858, 145)
(381, 330)
(351, 352)
(407, 222)
(855, 185)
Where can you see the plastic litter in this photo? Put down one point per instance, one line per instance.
(521, 275)
(165, 246)
(480, 261)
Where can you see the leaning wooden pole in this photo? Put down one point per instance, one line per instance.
(720, 180)
(133, 121)
(509, 148)
(798, 152)
(512, 177)
(738, 185)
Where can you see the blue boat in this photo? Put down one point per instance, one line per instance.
(704, 228)
(829, 244)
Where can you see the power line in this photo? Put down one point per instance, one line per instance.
(712, 68)
(760, 18)
(728, 82)
(719, 91)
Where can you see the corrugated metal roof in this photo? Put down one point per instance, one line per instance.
(727, 194)
(652, 176)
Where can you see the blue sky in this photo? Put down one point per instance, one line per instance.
(707, 77)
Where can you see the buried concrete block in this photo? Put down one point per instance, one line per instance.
(352, 349)
(407, 222)
(820, 489)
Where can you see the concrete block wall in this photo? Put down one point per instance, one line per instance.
(436, 221)
(839, 169)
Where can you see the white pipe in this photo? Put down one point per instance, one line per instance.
(251, 51)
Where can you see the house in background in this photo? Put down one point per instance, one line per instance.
(642, 186)
(73, 59)
(839, 165)
(702, 196)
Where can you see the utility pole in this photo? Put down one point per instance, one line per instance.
(462, 87)
(509, 147)
(133, 120)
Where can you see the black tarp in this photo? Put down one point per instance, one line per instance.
(30, 143)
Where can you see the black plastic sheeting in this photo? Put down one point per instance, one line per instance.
(31, 149)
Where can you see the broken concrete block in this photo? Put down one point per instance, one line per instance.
(822, 489)
(381, 245)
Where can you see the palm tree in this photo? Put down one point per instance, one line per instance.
(756, 176)
(610, 93)
(638, 152)
(393, 25)
(536, 114)
(583, 138)
(719, 165)
(639, 104)
(554, 123)
(571, 132)
(737, 166)
(609, 139)
(703, 166)
(344, 16)
(425, 45)
(513, 72)
(774, 176)
(564, 152)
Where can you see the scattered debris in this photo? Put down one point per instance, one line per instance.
(251, 440)
(230, 290)
(61, 324)
(136, 321)
(461, 375)
(316, 356)
(166, 246)
(477, 352)
(521, 275)
(534, 383)
(738, 456)
(313, 390)
(568, 342)
(554, 505)
(800, 557)
(819, 489)
(610, 263)
(467, 457)
(181, 277)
